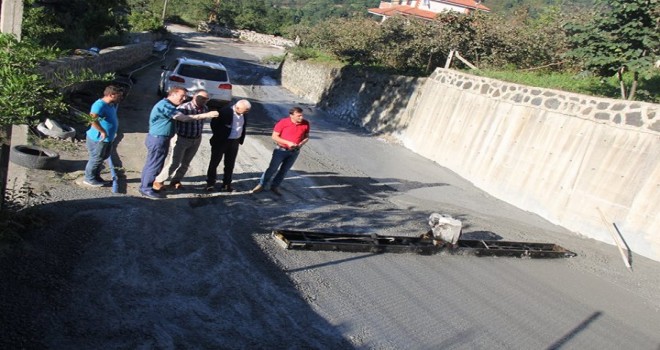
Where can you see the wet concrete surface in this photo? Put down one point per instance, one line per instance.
(199, 270)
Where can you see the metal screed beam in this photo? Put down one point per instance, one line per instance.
(306, 240)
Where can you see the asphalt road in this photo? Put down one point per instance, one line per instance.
(200, 270)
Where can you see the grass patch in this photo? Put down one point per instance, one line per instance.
(273, 59)
(327, 59)
(60, 145)
(299, 53)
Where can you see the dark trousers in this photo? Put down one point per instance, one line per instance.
(227, 149)
(157, 148)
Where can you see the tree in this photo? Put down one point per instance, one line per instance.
(24, 93)
(623, 38)
(74, 23)
(408, 44)
(26, 96)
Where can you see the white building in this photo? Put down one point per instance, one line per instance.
(426, 9)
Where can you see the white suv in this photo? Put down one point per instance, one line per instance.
(194, 75)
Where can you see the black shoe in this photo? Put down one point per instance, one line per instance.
(227, 188)
(276, 191)
(210, 188)
(100, 179)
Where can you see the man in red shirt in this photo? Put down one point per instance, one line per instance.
(290, 134)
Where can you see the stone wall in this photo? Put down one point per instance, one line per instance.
(563, 156)
(110, 59)
(633, 115)
(311, 81)
(246, 35)
(372, 100)
(141, 37)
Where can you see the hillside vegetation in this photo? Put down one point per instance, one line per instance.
(604, 47)
(534, 7)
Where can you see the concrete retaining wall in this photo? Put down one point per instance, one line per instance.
(554, 153)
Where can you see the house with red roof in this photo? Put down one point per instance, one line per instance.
(426, 9)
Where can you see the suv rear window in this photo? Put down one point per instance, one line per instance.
(202, 72)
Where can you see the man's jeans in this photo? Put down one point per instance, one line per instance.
(98, 153)
(282, 159)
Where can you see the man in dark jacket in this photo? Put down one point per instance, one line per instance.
(228, 134)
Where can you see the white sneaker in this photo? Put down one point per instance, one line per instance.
(93, 183)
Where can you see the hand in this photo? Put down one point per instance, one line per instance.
(211, 114)
(102, 135)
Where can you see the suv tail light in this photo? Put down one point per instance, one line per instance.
(177, 79)
(224, 86)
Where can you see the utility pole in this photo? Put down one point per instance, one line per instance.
(11, 19)
(164, 9)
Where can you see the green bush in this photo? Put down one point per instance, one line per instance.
(521, 48)
(145, 22)
(410, 45)
(24, 91)
(300, 53)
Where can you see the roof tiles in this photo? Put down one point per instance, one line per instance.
(417, 12)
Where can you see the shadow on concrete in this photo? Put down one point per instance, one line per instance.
(113, 272)
(575, 331)
(69, 166)
(127, 271)
(481, 235)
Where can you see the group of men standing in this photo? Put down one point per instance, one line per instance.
(175, 129)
